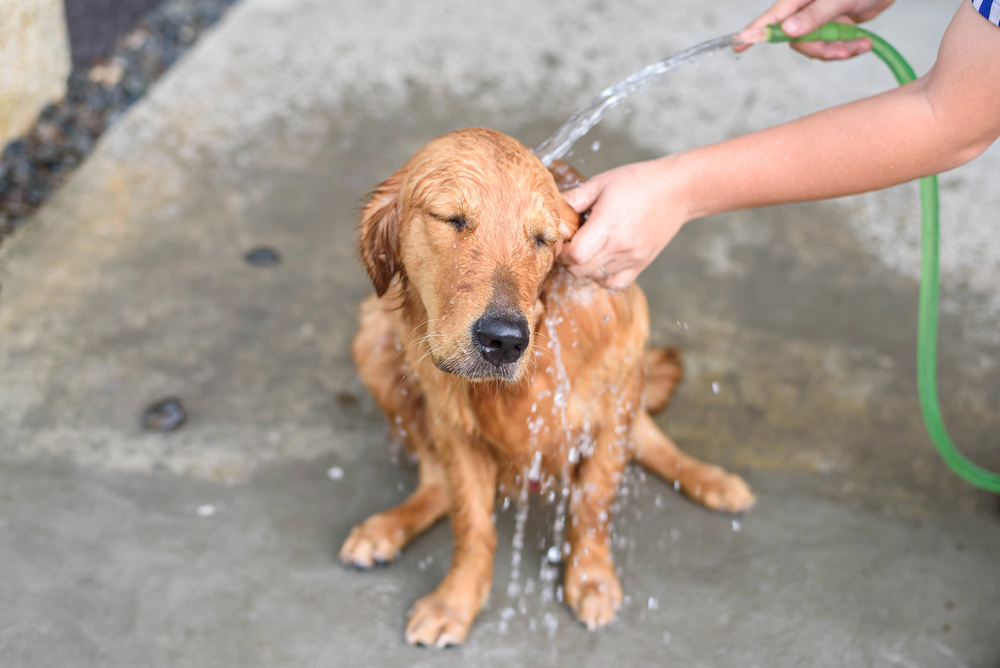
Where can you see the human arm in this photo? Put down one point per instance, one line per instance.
(942, 120)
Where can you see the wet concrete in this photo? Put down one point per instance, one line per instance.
(216, 544)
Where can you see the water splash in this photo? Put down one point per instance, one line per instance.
(580, 123)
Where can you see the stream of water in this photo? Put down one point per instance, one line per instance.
(554, 148)
(580, 123)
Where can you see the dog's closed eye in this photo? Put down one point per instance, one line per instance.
(456, 220)
(542, 240)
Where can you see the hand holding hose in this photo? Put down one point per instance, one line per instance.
(799, 17)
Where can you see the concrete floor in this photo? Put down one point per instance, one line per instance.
(130, 285)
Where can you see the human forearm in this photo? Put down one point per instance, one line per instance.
(850, 149)
(931, 125)
(934, 124)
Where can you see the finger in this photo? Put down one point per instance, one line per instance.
(621, 280)
(812, 16)
(834, 50)
(605, 265)
(580, 255)
(583, 197)
(588, 242)
(777, 13)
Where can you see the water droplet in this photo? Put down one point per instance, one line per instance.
(553, 555)
(666, 637)
(653, 604)
(335, 473)
(736, 526)
(596, 146)
(206, 510)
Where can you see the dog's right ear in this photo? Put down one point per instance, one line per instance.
(379, 227)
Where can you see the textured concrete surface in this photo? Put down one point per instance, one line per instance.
(216, 545)
(34, 61)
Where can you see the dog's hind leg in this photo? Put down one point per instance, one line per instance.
(663, 373)
(705, 483)
(379, 539)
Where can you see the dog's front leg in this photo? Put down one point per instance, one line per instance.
(590, 585)
(443, 617)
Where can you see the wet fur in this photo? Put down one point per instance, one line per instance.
(470, 225)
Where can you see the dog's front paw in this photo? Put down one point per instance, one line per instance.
(593, 593)
(714, 488)
(372, 543)
(434, 622)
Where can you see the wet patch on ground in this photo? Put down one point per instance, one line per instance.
(799, 349)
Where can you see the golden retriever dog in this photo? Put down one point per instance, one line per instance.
(503, 372)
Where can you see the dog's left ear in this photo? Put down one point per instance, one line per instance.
(565, 178)
(569, 220)
(378, 242)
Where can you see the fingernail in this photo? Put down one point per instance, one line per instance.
(792, 25)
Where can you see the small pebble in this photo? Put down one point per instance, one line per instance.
(335, 473)
(165, 415)
(263, 257)
(346, 399)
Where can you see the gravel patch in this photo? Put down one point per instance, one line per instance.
(33, 166)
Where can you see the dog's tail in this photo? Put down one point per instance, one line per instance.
(664, 373)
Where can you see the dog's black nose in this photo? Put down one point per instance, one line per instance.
(501, 340)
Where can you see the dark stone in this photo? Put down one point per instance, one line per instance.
(263, 257)
(15, 149)
(165, 415)
(21, 172)
(346, 399)
(37, 192)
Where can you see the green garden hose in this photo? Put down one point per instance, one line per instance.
(927, 320)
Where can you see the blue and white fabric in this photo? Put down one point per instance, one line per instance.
(990, 9)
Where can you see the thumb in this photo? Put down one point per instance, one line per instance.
(811, 16)
(586, 243)
(583, 197)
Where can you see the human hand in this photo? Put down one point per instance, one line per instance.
(635, 212)
(800, 17)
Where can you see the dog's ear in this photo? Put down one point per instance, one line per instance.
(378, 242)
(566, 178)
(569, 220)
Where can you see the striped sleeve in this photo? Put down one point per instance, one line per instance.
(990, 9)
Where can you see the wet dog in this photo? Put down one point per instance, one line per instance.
(502, 372)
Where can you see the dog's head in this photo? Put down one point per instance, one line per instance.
(472, 224)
